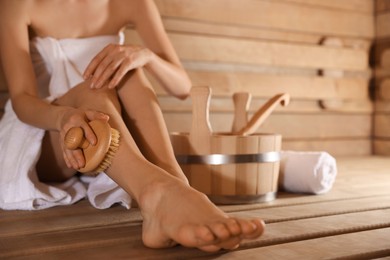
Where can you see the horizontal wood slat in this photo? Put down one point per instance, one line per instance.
(382, 125)
(382, 106)
(273, 14)
(203, 48)
(336, 147)
(385, 59)
(193, 27)
(227, 50)
(277, 233)
(382, 21)
(382, 6)
(364, 6)
(266, 85)
(361, 245)
(351, 221)
(289, 125)
(381, 146)
(384, 90)
(225, 104)
(378, 204)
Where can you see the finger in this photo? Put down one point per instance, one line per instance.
(67, 162)
(118, 62)
(97, 80)
(79, 158)
(95, 115)
(119, 74)
(88, 133)
(113, 56)
(72, 161)
(89, 71)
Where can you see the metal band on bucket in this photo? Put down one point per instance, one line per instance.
(220, 159)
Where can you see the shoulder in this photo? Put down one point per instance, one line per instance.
(136, 10)
(15, 10)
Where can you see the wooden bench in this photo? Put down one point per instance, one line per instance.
(351, 221)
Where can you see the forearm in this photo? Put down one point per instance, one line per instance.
(36, 112)
(172, 77)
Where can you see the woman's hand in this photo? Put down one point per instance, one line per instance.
(113, 62)
(78, 118)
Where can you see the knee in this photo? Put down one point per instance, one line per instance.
(102, 98)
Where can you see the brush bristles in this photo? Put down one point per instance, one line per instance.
(115, 135)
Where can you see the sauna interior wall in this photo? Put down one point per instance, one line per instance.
(381, 59)
(317, 51)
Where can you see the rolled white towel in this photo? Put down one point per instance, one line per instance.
(307, 172)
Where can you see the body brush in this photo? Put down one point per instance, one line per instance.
(98, 157)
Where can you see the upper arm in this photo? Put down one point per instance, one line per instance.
(14, 48)
(147, 21)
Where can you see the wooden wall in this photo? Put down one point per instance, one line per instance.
(382, 78)
(317, 51)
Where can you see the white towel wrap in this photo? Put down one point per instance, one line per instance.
(307, 172)
(58, 66)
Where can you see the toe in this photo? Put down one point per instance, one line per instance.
(233, 227)
(259, 230)
(220, 230)
(231, 244)
(252, 229)
(210, 248)
(204, 235)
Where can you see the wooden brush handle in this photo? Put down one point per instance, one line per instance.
(74, 139)
(263, 113)
(241, 102)
(94, 154)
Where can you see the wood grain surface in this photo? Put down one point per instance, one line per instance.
(351, 221)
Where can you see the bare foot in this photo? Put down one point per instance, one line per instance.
(175, 213)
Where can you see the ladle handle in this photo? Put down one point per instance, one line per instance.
(263, 113)
(74, 139)
(201, 129)
(241, 102)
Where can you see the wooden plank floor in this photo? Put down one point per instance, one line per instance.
(350, 222)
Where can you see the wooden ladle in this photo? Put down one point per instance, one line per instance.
(263, 113)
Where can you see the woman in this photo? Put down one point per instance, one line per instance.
(114, 88)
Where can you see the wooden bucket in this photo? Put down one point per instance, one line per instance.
(229, 168)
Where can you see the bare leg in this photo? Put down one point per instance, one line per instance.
(173, 212)
(51, 167)
(147, 127)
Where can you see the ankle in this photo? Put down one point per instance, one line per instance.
(152, 195)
